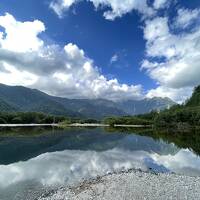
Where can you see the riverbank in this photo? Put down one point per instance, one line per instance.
(133, 185)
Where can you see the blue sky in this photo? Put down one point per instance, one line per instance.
(122, 47)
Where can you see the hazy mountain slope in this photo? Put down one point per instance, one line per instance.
(134, 107)
(5, 107)
(25, 99)
(96, 108)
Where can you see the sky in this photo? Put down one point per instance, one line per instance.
(112, 49)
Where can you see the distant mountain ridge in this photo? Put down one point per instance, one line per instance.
(18, 98)
(134, 107)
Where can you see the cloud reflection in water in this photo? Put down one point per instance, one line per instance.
(70, 166)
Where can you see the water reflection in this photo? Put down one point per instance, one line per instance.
(70, 166)
(28, 145)
(31, 143)
(190, 140)
(184, 162)
(63, 157)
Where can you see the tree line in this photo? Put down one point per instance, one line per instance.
(29, 118)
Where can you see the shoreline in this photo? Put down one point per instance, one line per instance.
(28, 125)
(131, 184)
(75, 125)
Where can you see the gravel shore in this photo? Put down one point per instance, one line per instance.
(132, 185)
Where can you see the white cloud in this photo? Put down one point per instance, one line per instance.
(114, 58)
(18, 36)
(178, 95)
(12, 76)
(158, 4)
(179, 58)
(60, 6)
(156, 28)
(79, 78)
(117, 8)
(59, 71)
(186, 17)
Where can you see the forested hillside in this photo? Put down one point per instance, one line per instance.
(182, 117)
(195, 98)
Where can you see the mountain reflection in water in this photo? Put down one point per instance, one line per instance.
(51, 158)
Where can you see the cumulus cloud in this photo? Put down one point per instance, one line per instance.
(172, 57)
(173, 60)
(116, 8)
(18, 36)
(27, 60)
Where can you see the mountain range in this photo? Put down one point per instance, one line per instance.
(18, 98)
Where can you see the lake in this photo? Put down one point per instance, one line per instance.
(33, 160)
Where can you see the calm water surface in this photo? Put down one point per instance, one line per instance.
(33, 160)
